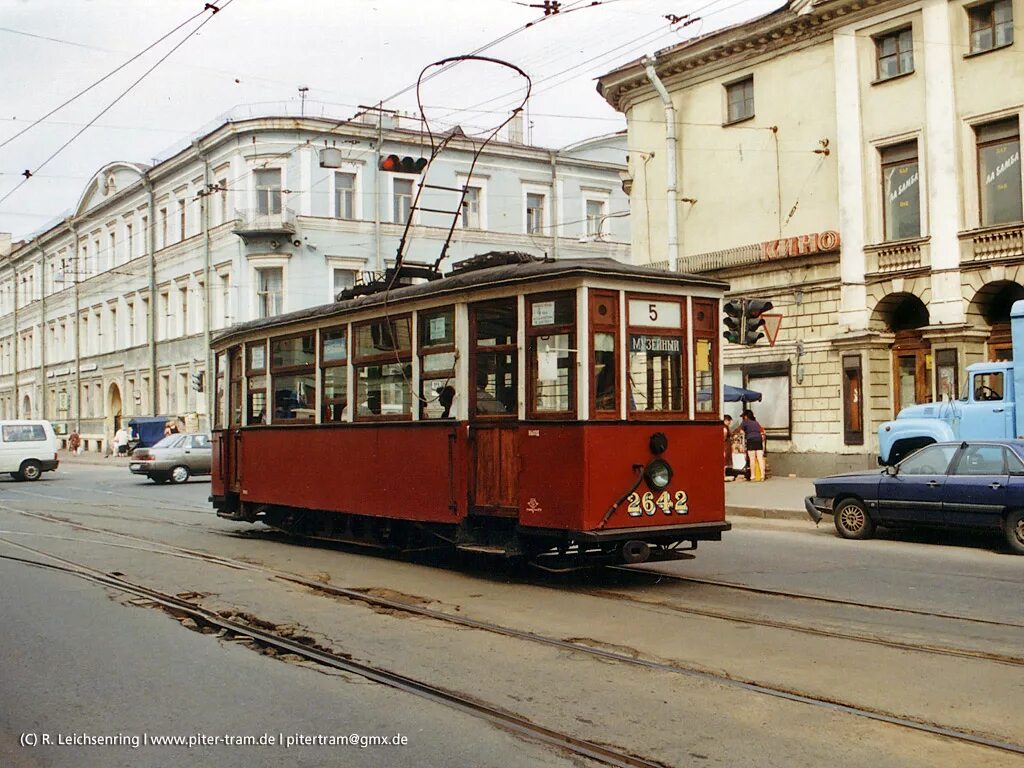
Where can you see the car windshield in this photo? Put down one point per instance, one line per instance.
(170, 441)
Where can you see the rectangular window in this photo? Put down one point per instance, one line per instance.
(334, 373)
(657, 350)
(991, 25)
(535, 214)
(343, 279)
(383, 368)
(219, 420)
(181, 220)
(739, 99)
(163, 316)
(946, 375)
(999, 177)
(772, 380)
(130, 237)
(495, 360)
(183, 308)
(235, 389)
(24, 433)
(705, 358)
(222, 196)
(402, 201)
(437, 363)
(604, 329)
(293, 378)
(256, 383)
(551, 356)
(895, 53)
(268, 191)
(269, 291)
(225, 299)
(595, 218)
(345, 195)
(901, 191)
(471, 208)
(853, 401)
(163, 227)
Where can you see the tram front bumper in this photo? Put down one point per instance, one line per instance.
(652, 533)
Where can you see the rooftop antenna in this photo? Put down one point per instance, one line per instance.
(303, 90)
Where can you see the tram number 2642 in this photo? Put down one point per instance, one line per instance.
(648, 504)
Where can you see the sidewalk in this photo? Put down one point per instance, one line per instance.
(775, 498)
(91, 457)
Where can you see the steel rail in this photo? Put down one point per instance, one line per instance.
(505, 720)
(567, 645)
(816, 598)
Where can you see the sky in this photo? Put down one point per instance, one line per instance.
(347, 53)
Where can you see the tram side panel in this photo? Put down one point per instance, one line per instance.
(380, 470)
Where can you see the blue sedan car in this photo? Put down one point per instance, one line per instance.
(965, 485)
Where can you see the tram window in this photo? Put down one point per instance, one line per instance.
(334, 376)
(383, 368)
(437, 363)
(605, 380)
(292, 378)
(655, 373)
(495, 362)
(256, 383)
(705, 357)
(219, 401)
(236, 387)
(551, 333)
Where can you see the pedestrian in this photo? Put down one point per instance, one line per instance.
(754, 435)
(74, 442)
(121, 441)
(727, 446)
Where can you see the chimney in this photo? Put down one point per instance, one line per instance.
(515, 129)
(5, 244)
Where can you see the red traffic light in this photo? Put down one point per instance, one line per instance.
(396, 164)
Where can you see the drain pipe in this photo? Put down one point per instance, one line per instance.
(671, 172)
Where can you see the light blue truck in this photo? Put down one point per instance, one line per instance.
(987, 410)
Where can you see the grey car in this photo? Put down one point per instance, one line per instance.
(175, 458)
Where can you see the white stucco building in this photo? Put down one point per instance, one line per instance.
(108, 313)
(857, 162)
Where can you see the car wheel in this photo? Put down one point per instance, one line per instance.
(852, 520)
(179, 474)
(1013, 526)
(31, 470)
(159, 479)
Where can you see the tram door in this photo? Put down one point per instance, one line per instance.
(494, 475)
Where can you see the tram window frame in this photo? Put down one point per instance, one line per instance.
(535, 333)
(337, 367)
(303, 370)
(220, 391)
(508, 350)
(392, 357)
(426, 348)
(255, 382)
(235, 385)
(609, 326)
(706, 329)
(633, 413)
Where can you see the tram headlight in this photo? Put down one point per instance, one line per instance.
(658, 474)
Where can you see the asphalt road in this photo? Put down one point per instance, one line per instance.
(77, 658)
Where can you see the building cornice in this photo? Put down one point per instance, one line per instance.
(738, 44)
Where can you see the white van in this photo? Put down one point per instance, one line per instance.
(27, 448)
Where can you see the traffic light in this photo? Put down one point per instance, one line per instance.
(753, 321)
(733, 321)
(396, 164)
(197, 381)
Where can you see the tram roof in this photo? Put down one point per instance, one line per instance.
(481, 278)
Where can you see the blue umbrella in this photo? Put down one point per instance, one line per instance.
(738, 394)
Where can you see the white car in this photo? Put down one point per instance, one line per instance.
(27, 449)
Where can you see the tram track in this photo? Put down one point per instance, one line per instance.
(511, 722)
(577, 646)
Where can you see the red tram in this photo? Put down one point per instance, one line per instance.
(566, 412)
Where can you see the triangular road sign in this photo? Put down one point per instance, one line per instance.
(772, 323)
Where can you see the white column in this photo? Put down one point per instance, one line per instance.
(849, 153)
(946, 305)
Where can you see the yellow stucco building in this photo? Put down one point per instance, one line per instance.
(858, 164)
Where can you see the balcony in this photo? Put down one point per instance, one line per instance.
(1005, 241)
(897, 256)
(253, 223)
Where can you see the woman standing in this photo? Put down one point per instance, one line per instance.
(755, 436)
